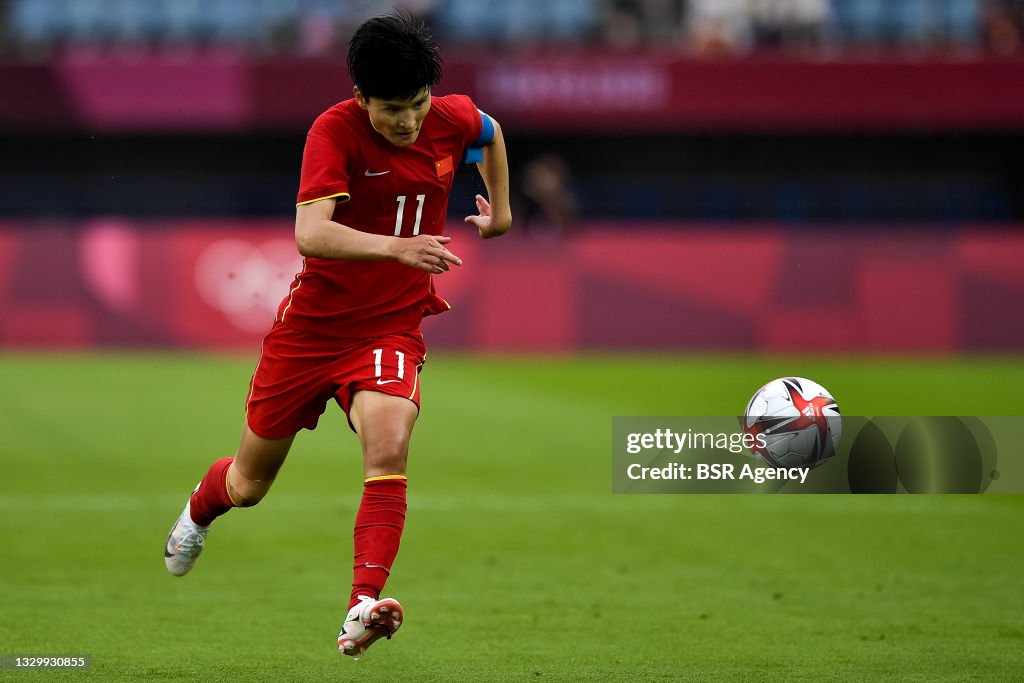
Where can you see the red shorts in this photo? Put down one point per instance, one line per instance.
(299, 372)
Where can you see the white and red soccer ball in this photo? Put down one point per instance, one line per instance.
(799, 420)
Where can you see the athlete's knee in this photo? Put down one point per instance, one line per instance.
(388, 452)
(256, 465)
(245, 492)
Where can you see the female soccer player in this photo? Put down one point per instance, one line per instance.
(376, 174)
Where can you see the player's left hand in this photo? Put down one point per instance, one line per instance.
(489, 225)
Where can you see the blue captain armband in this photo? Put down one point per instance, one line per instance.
(486, 130)
(475, 153)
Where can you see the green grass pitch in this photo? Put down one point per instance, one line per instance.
(517, 562)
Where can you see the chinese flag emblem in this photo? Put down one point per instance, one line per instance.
(443, 166)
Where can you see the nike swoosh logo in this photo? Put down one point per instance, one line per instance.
(371, 174)
(387, 381)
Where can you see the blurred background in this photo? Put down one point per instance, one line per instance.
(708, 194)
(782, 175)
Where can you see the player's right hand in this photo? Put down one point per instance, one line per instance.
(426, 252)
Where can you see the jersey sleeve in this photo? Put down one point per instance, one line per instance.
(325, 167)
(468, 118)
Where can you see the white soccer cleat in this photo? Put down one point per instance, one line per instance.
(184, 543)
(367, 621)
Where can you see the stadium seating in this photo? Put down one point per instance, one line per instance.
(289, 24)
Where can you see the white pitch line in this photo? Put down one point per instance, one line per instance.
(93, 502)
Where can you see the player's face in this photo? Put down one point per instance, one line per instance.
(398, 121)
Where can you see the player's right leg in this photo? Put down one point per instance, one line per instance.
(241, 481)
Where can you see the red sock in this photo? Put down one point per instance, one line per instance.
(378, 531)
(211, 500)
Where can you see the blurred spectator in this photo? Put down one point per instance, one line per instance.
(622, 27)
(550, 206)
(789, 23)
(717, 26)
(629, 24)
(1004, 25)
(662, 22)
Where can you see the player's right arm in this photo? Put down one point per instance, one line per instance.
(317, 236)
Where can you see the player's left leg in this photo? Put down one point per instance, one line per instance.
(384, 424)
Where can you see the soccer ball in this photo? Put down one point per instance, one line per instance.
(799, 421)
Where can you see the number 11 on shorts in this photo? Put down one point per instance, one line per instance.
(378, 356)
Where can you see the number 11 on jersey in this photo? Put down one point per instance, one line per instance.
(401, 210)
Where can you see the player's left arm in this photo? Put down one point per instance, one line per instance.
(495, 216)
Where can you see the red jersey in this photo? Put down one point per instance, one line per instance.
(382, 189)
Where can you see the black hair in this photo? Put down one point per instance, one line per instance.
(393, 57)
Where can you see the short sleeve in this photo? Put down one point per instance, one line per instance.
(468, 117)
(324, 170)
